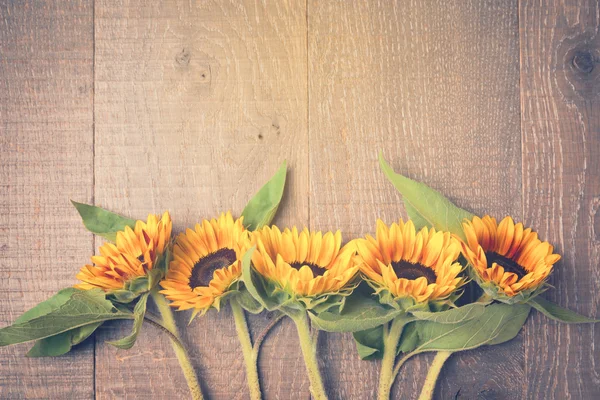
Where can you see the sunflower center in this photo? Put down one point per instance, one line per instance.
(204, 269)
(410, 271)
(506, 263)
(316, 270)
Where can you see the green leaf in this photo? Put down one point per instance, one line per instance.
(247, 302)
(60, 344)
(67, 310)
(557, 313)
(369, 343)
(162, 265)
(47, 306)
(409, 339)
(415, 217)
(102, 222)
(453, 315)
(499, 323)
(261, 209)
(360, 313)
(425, 205)
(249, 277)
(139, 311)
(254, 283)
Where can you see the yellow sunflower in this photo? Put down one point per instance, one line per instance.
(206, 262)
(306, 263)
(110, 270)
(134, 254)
(507, 255)
(147, 240)
(421, 264)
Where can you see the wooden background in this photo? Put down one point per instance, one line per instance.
(142, 106)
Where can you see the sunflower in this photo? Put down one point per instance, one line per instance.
(147, 240)
(111, 270)
(206, 262)
(421, 265)
(308, 264)
(134, 254)
(507, 256)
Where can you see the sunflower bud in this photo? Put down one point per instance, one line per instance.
(127, 269)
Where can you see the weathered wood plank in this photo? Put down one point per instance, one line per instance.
(435, 86)
(46, 131)
(197, 103)
(560, 103)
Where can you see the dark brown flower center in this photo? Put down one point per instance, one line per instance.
(506, 263)
(410, 271)
(316, 270)
(205, 268)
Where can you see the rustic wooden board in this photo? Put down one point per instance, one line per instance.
(495, 103)
(196, 107)
(436, 87)
(560, 92)
(46, 130)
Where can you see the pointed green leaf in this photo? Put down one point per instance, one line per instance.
(360, 313)
(557, 313)
(52, 346)
(499, 323)
(68, 310)
(162, 265)
(102, 222)
(453, 315)
(248, 302)
(254, 283)
(369, 343)
(139, 311)
(409, 339)
(247, 275)
(60, 344)
(261, 209)
(426, 204)
(417, 219)
(52, 304)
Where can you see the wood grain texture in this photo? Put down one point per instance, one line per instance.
(494, 103)
(560, 101)
(197, 104)
(436, 87)
(46, 117)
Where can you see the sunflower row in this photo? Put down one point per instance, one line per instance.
(421, 264)
(442, 281)
(416, 268)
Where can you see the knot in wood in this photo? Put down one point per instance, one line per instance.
(183, 57)
(583, 61)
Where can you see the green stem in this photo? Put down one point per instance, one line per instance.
(432, 375)
(168, 322)
(250, 356)
(310, 356)
(390, 345)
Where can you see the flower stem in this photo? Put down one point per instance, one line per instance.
(432, 375)
(168, 322)
(250, 356)
(309, 351)
(390, 344)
